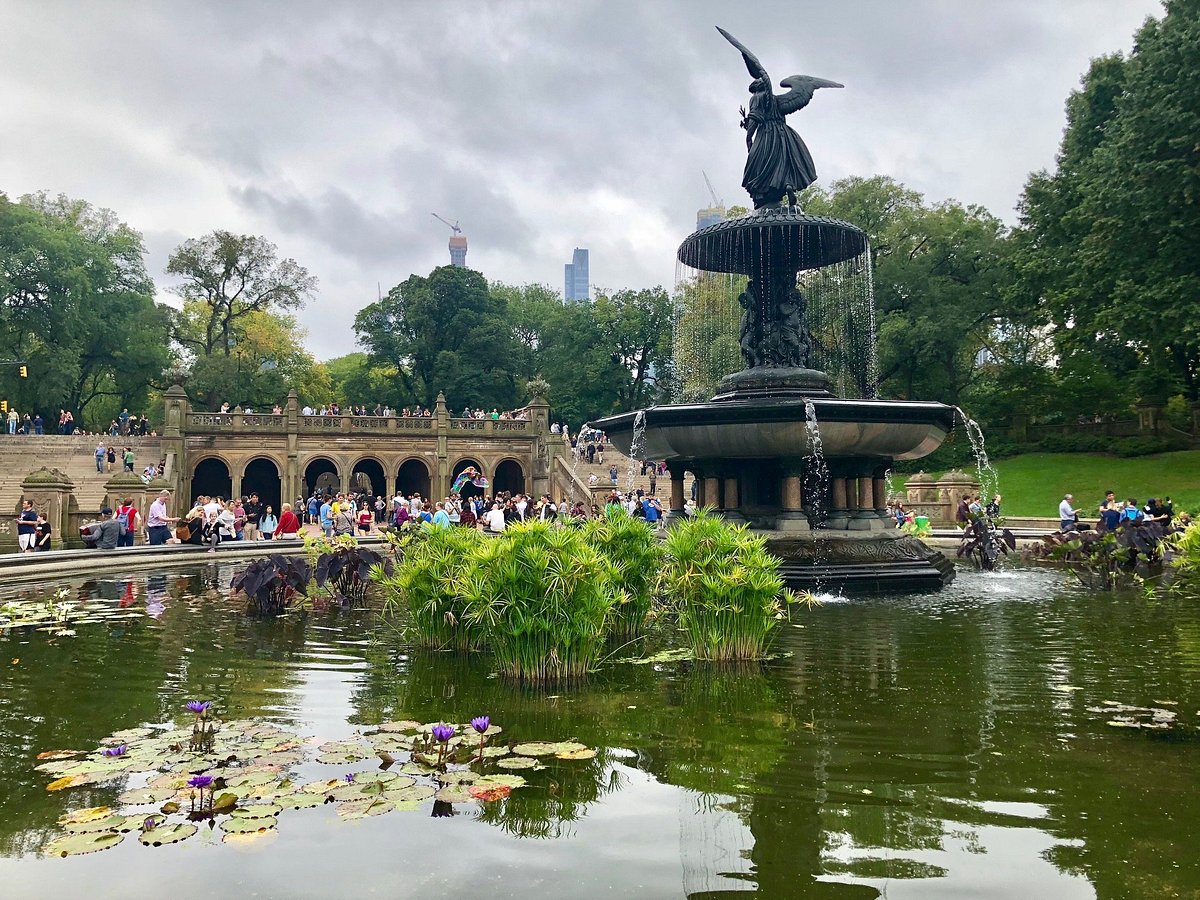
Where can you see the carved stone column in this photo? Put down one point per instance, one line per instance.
(51, 493)
(792, 517)
(676, 510)
(838, 514)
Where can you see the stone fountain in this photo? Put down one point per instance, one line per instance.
(774, 447)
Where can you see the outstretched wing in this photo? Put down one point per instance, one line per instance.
(802, 89)
(752, 63)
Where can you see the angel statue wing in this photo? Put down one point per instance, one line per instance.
(752, 63)
(802, 89)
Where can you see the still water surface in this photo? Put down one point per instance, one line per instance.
(952, 745)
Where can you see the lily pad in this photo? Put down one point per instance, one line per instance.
(78, 844)
(455, 793)
(581, 753)
(536, 748)
(91, 814)
(501, 778)
(109, 823)
(225, 801)
(416, 768)
(395, 727)
(412, 794)
(517, 762)
(167, 834)
(342, 757)
(257, 811)
(494, 752)
(300, 801)
(140, 796)
(368, 806)
(59, 784)
(322, 787)
(460, 776)
(489, 793)
(246, 826)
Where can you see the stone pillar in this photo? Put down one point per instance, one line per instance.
(127, 485)
(792, 517)
(838, 513)
(51, 492)
(711, 492)
(175, 413)
(439, 485)
(864, 517)
(539, 421)
(291, 472)
(678, 501)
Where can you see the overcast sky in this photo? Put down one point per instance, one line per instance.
(335, 129)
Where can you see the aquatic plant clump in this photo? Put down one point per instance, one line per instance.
(427, 585)
(724, 586)
(542, 597)
(631, 546)
(272, 584)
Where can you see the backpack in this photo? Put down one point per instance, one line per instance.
(123, 516)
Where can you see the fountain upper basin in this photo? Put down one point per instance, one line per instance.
(773, 428)
(784, 235)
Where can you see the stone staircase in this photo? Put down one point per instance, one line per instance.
(604, 482)
(73, 455)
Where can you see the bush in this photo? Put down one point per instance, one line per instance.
(271, 584)
(427, 583)
(541, 597)
(725, 587)
(631, 546)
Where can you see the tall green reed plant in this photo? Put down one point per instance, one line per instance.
(541, 597)
(631, 546)
(724, 587)
(426, 583)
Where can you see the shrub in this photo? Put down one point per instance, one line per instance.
(631, 546)
(427, 583)
(271, 584)
(542, 598)
(345, 570)
(725, 587)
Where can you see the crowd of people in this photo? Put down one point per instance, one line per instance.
(1112, 513)
(380, 410)
(124, 425)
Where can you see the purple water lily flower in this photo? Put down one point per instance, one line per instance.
(199, 707)
(349, 778)
(201, 781)
(443, 733)
(481, 723)
(118, 750)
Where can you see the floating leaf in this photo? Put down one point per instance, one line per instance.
(416, 768)
(1123, 723)
(167, 834)
(493, 752)
(489, 793)
(250, 837)
(59, 754)
(78, 844)
(413, 794)
(368, 806)
(459, 776)
(140, 796)
(404, 725)
(536, 748)
(79, 816)
(454, 793)
(247, 826)
(109, 823)
(582, 753)
(167, 808)
(341, 758)
(501, 778)
(223, 802)
(257, 811)
(300, 801)
(322, 787)
(517, 762)
(61, 783)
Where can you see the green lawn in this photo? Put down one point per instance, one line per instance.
(1033, 484)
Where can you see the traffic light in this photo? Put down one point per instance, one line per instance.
(23, 371)
(3, 406)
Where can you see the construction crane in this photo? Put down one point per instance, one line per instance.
(716, 202)
(457, 230)
(458, 242)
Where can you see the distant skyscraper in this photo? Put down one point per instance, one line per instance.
(710, 215)
(458, 250)
(576, 280)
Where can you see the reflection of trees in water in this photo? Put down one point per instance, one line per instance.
(553, 799)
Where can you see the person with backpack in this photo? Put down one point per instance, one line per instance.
(127, 515)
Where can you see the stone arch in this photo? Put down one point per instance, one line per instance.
(367, 475)
(412, 477)
(211, 477)
(468, 489)
(321, 473)
(261, 476)
(509, 476)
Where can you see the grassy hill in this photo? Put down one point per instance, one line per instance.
(1033, 484)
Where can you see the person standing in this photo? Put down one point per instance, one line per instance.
(267, 524)
(441, 519)
(101, 455)
(41, 541)
(653, 480)
(325, 518)
(289, 523)
(128, 459)
(39, 424)
(27, 526)
(612, 473)
(13, 419)
(158, 523)
(1067, 513)
(253, 510)
(128, 516)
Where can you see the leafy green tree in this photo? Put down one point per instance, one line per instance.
(77, 304)
(706, 339)
(637, 328)
(445, 332)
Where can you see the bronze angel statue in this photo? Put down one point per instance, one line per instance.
(777, 162)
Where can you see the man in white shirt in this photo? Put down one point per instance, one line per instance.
(495, 519)
(1066, 513)
(307, 411)
(212, 508)
(521, 504)
(414, 505)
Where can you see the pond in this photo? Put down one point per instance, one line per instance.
(948, 745)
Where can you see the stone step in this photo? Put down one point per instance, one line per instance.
(74, 455)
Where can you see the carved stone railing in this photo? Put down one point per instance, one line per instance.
(209, 421)
(511, 425)
(470, 424)
(269, 422)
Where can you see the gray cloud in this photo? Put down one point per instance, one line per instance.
(335, 129)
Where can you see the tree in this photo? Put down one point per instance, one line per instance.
(706, 344)
(228, 283)
(445, 332)
(77, 303)
(636, 327)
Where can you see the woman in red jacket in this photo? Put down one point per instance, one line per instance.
(289, 525)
